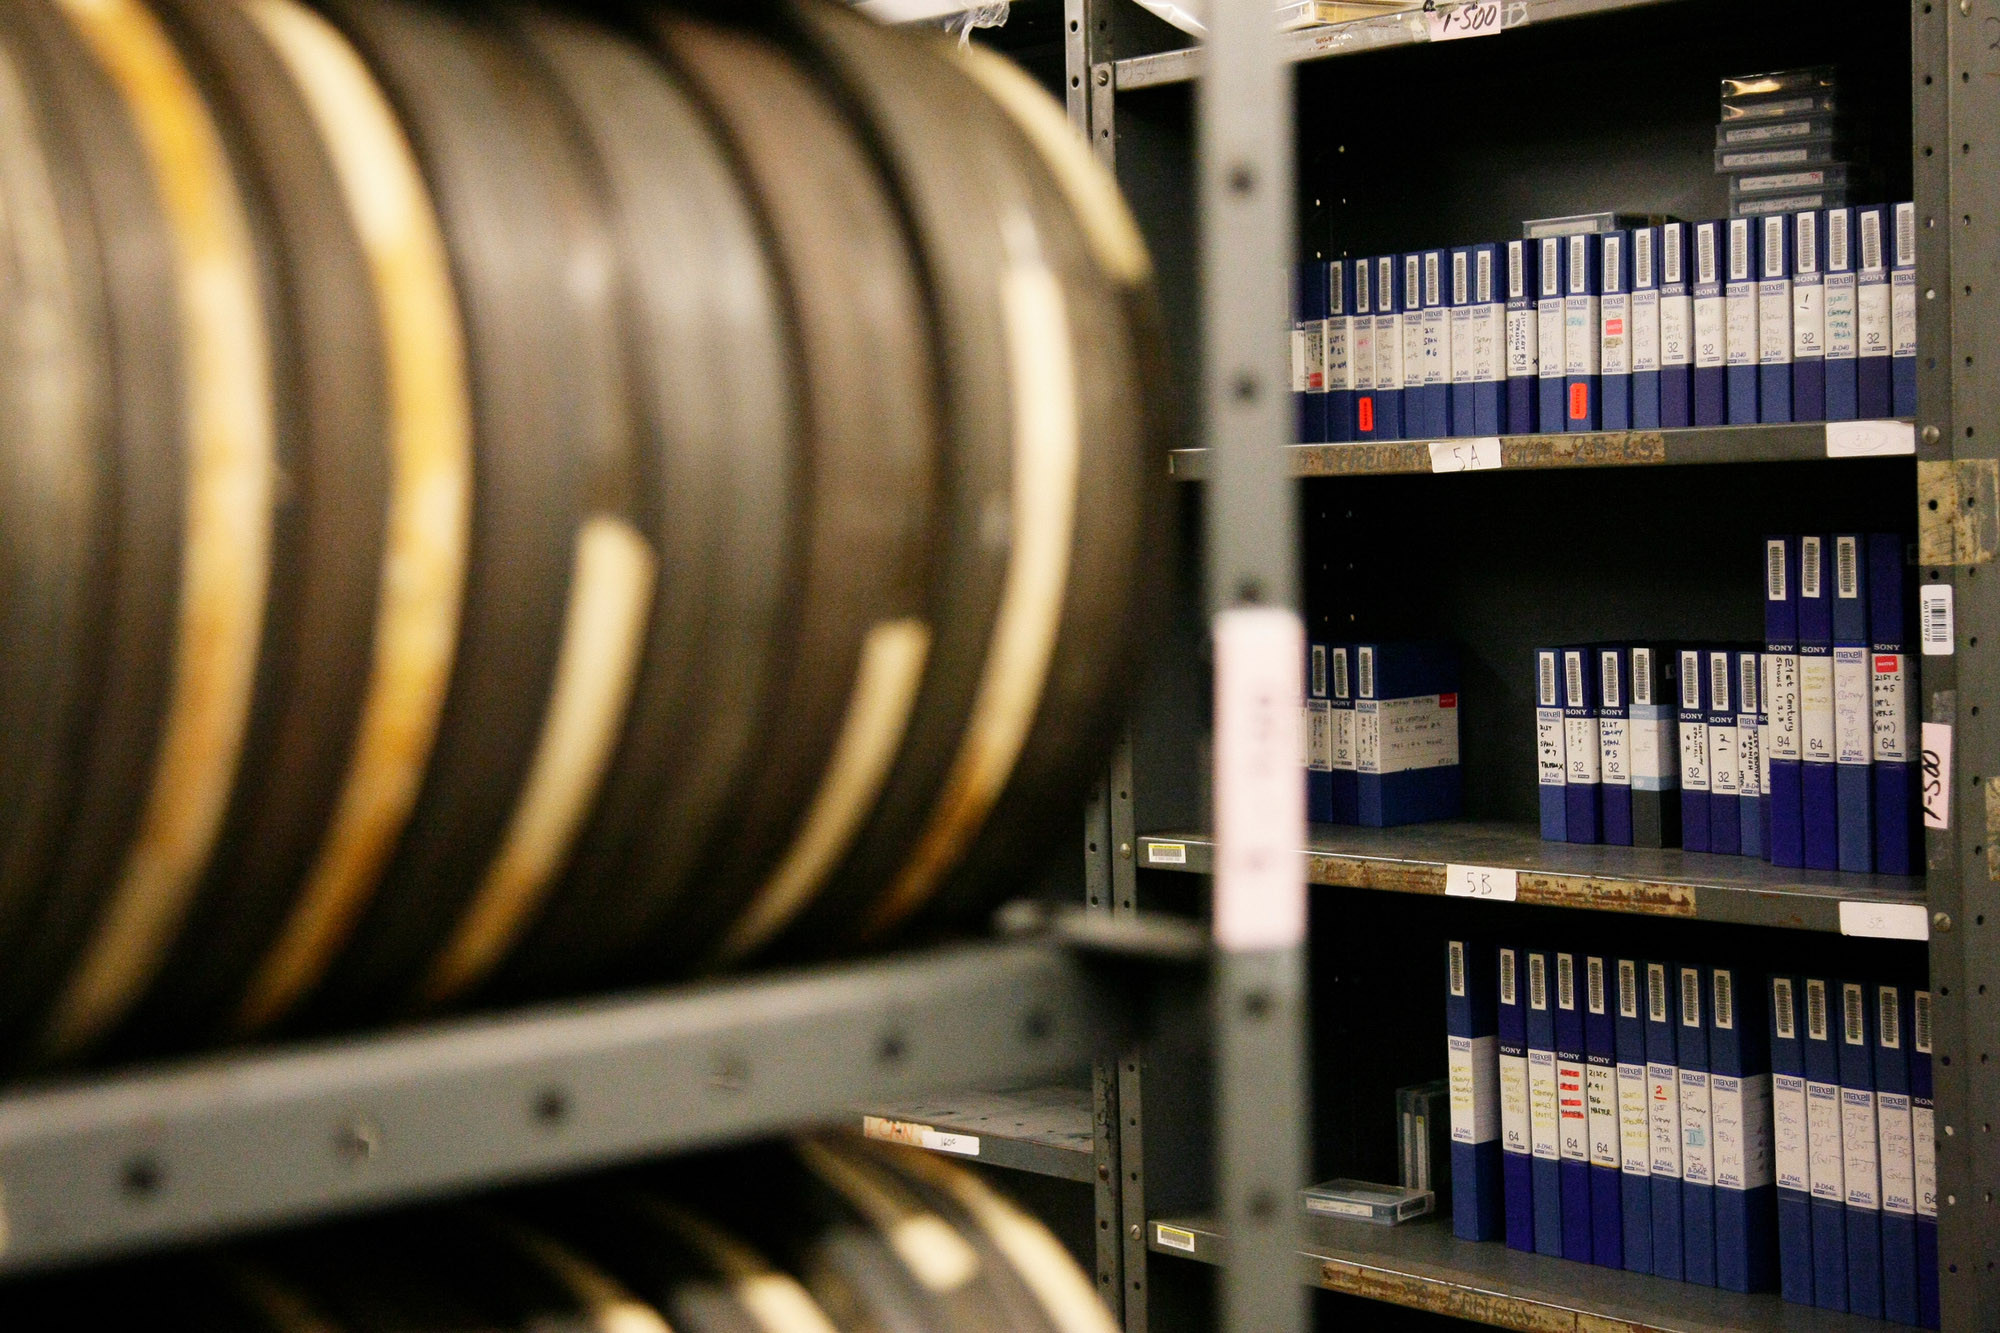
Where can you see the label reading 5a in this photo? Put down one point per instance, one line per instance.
(1469, 455)
(1488, 882)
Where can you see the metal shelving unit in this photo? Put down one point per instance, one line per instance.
(1658, 882)
(1419, 1265)
(1797, 443)
(232, 1142)
(1044, 1131)
(1954, 477)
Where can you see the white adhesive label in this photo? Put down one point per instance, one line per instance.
(1781, 704)
(1474, 18)
(1725, 761)
(1934, 775)
(1523, 345)
(1436, 355)
(1872, 317)
(1634, 1125)
(1542, 1132)
(1694, 756)
(1552, 355)
(1600, 1094)
(1774, 321)
(1663, 1096)
(1485, 334)
(962, 1145)
(1825, 1170)
(1655, 760)
(1816, 735)
(1740, 330)
(1853, 707)
(1461, 344)
(1260, 899)
(1343, 740)
(1615, 338)
(1697, 1133)
(1614, 748)
(1645, 331)
(1398, 735)
(1319, 735)
(1842, 333)
(1808, 321)
(1857, 1142)
(1581, 738)
(1870, 439)
(1515, 1135)
(1339, 363)
(1475, 1088)
(1934, 620)
(1574, 1112)
(1923, 1143)
(1710, 334)
(1173, 1238)
(1788, 1141)
(1581, 335)
(1676, 330)
(1477, 453)
(1892, 698)
(1492, 883)
(1741, 1117)
(1166, 853)
(1903, 313)
(1885, 921)
(1899, 1168)
(1551, 754)
(1388, 351)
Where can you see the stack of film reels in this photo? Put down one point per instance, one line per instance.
(503, 500)
(840, 1237)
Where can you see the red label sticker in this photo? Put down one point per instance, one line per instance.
(1579, 402)
(1888, 664)
(1447, 701)
(1614, 327)
(1366, 416)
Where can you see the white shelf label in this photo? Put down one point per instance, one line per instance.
(1166, 853)
(1477, 454)
(1475, 18)
(1488, 882)
(1869, 439)
(1936, 772)
(1885, 921)
(964, 1145)
(1260, 787)
(1934, 627)
(917, 1135)
(1173, 1237)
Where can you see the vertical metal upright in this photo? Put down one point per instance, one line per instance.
(1956, 86)
(1244, 156)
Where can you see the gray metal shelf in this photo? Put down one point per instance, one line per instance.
(1404, 28)
(1045, 1131)
(1801, 442)
(236, 1141)
(1423, 1266)
(1648, 881)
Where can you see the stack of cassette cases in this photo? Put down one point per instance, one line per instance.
(1782, 141)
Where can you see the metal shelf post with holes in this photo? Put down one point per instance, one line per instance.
(1376, 521)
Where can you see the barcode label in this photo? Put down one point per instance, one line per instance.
(1816, 1010)
(1642, 676)
(1642, 257)
(1431, 278)
(1565, 981)
(1920, 1020)
(1340, 673)
(1572, 680)
(1809, 566)
(1593, 984)
(1746, 682)
(1871, 241)
(1906, 235)
(1724, 998)
(1607, 684)
(1366, 664)
(1507, 977)
(1457, 948)
(1318, 687)
(1656, 992)
(1385, 285)
(1851, 1027)
(1718, 682)
(1774, 247)
(1628, 988)
(1670, 254)
(1413, 282)
(1935, 619)
(1837, 229)
(1774, 571)
(1538, 981)
(1517, 266)
(1613, 255)
(1889, 1017)
(1846, 569)
(1781, 1000)
(1579, 268)
(1484, 282)
(1690, 679)
(1805, 250)
(1551, 267)
(1690, 997)
(1739, 249)
(1458, 292)
(1336, 288)
(1548, 682)
(1361, 302)
(1704, 253)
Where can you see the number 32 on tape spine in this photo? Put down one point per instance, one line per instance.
(1488, 883)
